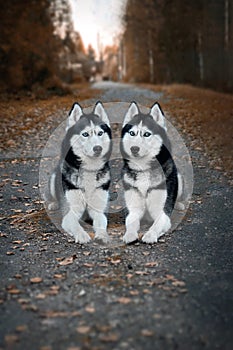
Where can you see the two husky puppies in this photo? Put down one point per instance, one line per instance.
(82, 178)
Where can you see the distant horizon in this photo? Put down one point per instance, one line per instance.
(97, 21)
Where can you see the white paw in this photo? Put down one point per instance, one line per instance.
(157, 230)
(53, 206)
(75, 230)
(130, 237)
(152, 236)
(102, 236)
(179, 206)
(81, 237)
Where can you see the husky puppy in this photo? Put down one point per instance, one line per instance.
(82, 178)
(149, 173)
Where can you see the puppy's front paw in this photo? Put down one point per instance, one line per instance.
(151, 236)
(102, 236)
(74, 229)
(53, 206)
(130, 237)
(81, 237)
(157, 230)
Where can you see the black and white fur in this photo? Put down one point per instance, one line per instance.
(82, 178)
(149, 173)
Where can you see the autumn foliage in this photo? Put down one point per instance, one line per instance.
(27, 44)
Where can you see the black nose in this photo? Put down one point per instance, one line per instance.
(97, 149)
(135, 149)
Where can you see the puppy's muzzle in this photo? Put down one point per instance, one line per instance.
(97, 150)
(135, 150)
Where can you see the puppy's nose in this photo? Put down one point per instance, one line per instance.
(135, 149)
(97, 149)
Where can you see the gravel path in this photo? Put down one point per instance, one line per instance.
(55, 294)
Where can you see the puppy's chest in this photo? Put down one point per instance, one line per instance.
(144, 181)
(89, 181)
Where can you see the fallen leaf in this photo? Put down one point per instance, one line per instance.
(2, 234)
(107, 338)
(14, 291)
(183, 290)
(103, 265)
(151, 264)
(10, 339)
(134, 292)
(92, 235)
(156, 281)
(59, 276)
(141, 273)
(36, 280)
(54, 314)
(21, 328)
(170, 277)
(83, 329)
(68, 261)
(30, 307)
(23, 301)
(147, 333)
(177, 283)
(88, 265)
(90, 309)
(115, 261)
(86, 253)
(124, 300)
(146, 291)
(41, 296)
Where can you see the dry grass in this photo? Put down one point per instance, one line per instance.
(23, 116)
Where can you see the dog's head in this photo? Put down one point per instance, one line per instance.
(142, 134)
(89, 135)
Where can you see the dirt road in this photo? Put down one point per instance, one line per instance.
(55, 294)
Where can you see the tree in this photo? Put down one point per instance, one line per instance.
(180, 41)
(28, 46)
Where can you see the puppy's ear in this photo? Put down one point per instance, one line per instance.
(100, 111)
(132, 111)
(158, 116)
(75, 114)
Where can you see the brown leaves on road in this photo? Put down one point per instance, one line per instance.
(124, 300)
(67, 261)
(83, 329)
(36, 280)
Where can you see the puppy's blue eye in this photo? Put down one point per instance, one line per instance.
(132, 133)
(85, 134)
(100, 133)
(147, 134)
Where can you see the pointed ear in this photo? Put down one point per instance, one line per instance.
(100, 111)
(75, 113)
(158, 116)
(132, 111)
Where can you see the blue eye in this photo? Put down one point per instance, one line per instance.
(132, 133)
(100, 133)
(85, 134)
(147, 134)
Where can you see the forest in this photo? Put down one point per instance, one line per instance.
(179, 41)
(162, 42)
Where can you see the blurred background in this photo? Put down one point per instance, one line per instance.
(51, 43)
